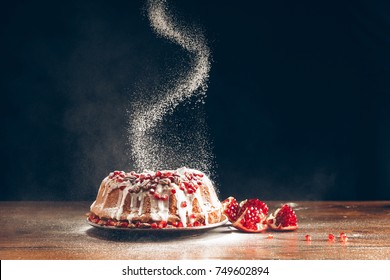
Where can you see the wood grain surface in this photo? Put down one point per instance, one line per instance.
(58, 230)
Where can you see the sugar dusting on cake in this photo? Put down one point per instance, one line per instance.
(153, 145)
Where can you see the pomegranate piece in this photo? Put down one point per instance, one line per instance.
(230, 208)
(308, 237)
(331, 237)
(283, 219)
(255, 203)
(251, 217)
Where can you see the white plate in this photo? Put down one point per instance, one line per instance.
(156, 230)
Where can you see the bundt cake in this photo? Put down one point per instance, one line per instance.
(170, 198)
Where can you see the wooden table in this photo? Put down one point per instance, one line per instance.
(58, 230)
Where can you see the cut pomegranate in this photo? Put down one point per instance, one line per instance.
(255, 203)
(230, 208)
(251, 217)
(283, 219)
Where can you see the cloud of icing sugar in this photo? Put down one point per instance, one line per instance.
(148, 149)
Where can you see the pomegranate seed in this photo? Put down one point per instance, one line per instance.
(122, 187)
(138, 224)
(154, 225)
(164, 197)
(175, 224)
(196, 224)
(158, 173)
(124, 224)
(162, 224)
(151, 191)
(331, 237)
(308, 237)
(190, 225)
(156, 195)
(183, 204)
(168, 174)
(116, 172)
(180, 225)
(343, 237)
(173, 191)
(192, 216)
(190, 191)
(119, 180)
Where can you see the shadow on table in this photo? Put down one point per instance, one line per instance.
(153, 235)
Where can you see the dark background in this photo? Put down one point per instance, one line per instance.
(297, 105)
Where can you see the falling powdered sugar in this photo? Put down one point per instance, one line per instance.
(156, 141)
